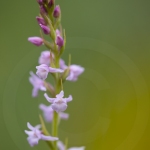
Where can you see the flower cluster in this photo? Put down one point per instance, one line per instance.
(51, 63)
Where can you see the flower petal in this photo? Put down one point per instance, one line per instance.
(30, 133)
(53, 70)
(43, 107)
(38, 126)
(70, 77)
(58, 107)
(68, 99)
(51, 100)
(30, 126)
(77, 148)
(33, 141)
(42, 88)
(60, 145)
(63, 115)
(60, 95)
(48, 138)
(35, 92)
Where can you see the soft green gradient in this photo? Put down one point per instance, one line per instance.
(110, 110)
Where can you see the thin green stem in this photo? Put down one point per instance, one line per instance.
(57, 90)
(55, 128)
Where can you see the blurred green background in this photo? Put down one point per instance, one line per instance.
(110, 110)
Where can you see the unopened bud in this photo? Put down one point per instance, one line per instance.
(59, 41)
(51, 3)
(45, 29)
(43, 9)
(36, 40)
(40, 20)
(40, 2)
(57, 12)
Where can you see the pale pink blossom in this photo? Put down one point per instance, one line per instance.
(35, 135)
(59, 103)
(43, 70)
(37, 83)
(75, 71)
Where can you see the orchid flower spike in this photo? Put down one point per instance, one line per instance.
(49, 112)
(35, 135)
(37, 83)
(43, 70)
(61, 146)
(59, 103)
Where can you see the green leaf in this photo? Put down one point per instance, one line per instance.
(45, 132)
(43, 126)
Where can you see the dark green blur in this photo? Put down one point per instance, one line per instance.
(111, 39)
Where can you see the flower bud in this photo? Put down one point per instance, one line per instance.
(57, 12)
(43, 9)
(40, 20)
(45, 29)
(57, 32)
(36, 40)
(51, 3)
(59, 41)
(40, 2)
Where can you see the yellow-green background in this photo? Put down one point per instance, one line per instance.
(111, 39)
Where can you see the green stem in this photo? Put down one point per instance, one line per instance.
(55, 128)
(55, 118)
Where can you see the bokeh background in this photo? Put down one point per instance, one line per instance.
(111, 39)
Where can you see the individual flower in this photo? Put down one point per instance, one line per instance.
(48, 113)
(37, 83)
(57, 12)
(45, 29)
(36, 40)
(44, 58)
(61, 146)
(43, 70)
(59, 103)
(35, 135)
(75, 71)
